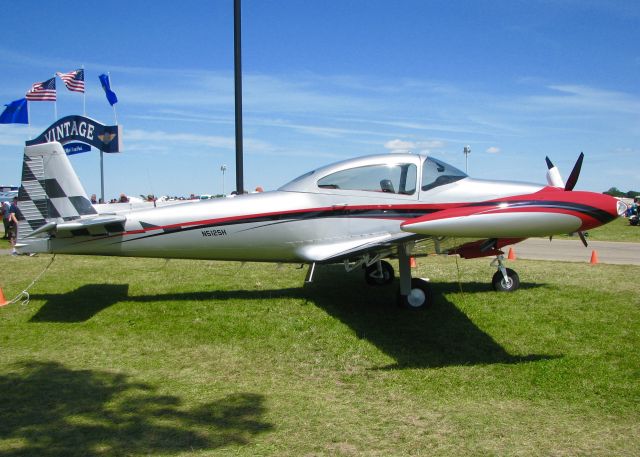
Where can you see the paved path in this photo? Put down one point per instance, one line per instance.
(574, 251)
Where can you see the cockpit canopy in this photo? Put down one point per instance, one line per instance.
(392, 174)
(398, 178)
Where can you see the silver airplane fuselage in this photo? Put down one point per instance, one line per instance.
(358, 211)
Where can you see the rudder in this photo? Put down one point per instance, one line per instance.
(50, 189)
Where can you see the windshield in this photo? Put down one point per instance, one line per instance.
(436, 173)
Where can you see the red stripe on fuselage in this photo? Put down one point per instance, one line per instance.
(337, 209)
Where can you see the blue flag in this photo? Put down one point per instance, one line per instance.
(15, 112)
(111, 95)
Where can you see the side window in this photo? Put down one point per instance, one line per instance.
(394, 179)
(436, 173)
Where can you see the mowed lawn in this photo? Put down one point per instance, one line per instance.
(116, 356)
(616, 230)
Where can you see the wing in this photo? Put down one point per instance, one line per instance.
(384, 245)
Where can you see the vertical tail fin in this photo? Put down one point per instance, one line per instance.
(50, 190)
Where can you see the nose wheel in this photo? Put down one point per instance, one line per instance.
(505, 279)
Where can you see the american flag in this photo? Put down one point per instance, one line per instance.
(43, 92)
(74, 80)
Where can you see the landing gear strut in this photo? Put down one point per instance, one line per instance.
(415, 293)
(505, 279)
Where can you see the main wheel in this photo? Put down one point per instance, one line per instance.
(420, 296)
(373, 277)
(502, 285)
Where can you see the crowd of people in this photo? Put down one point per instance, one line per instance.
(123, 198)
(633, 208)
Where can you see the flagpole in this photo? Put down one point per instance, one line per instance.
(102, 177)
(55, 102)
(84, 94)
(28, 121)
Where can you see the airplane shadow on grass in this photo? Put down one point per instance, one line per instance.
(47, 409)
(440, 336)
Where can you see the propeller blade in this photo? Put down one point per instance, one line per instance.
(583, 239)
(573, 177)
(553, 175)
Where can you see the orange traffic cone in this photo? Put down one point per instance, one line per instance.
(3, 301)
(594, 257)
(412, 262)
(512, 254)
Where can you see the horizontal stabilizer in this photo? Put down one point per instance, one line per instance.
(98, 225)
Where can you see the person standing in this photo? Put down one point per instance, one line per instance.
(13, 225)
(4, 209)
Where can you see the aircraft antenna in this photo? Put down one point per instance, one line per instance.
(467, 151)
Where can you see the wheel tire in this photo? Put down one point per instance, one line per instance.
(372, 278)
(500, 285)
(420, 297)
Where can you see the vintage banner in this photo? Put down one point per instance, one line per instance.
(106, 138)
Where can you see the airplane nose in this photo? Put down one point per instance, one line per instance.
(604, 208)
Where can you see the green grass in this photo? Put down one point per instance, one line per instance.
(118, 356)
(4, 244)
(616, 230)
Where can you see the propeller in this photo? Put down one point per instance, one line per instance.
(553, 174)
(583, 239)
(573, 177)
(554, 179)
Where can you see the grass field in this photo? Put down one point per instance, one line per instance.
(118, 356)
(617, 230)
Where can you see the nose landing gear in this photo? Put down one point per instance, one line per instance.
(505, 279)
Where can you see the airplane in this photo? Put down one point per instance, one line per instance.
(357, 212)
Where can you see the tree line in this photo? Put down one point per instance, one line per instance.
(615, 192)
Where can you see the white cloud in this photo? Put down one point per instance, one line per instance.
(425, 146)
(399, 144)
(493, 150)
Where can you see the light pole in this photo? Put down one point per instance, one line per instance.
(223, 168)
(467, 151)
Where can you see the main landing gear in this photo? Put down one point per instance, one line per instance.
(414, 293)
(505, 279)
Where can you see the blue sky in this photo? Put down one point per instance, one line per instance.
(329, 80)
